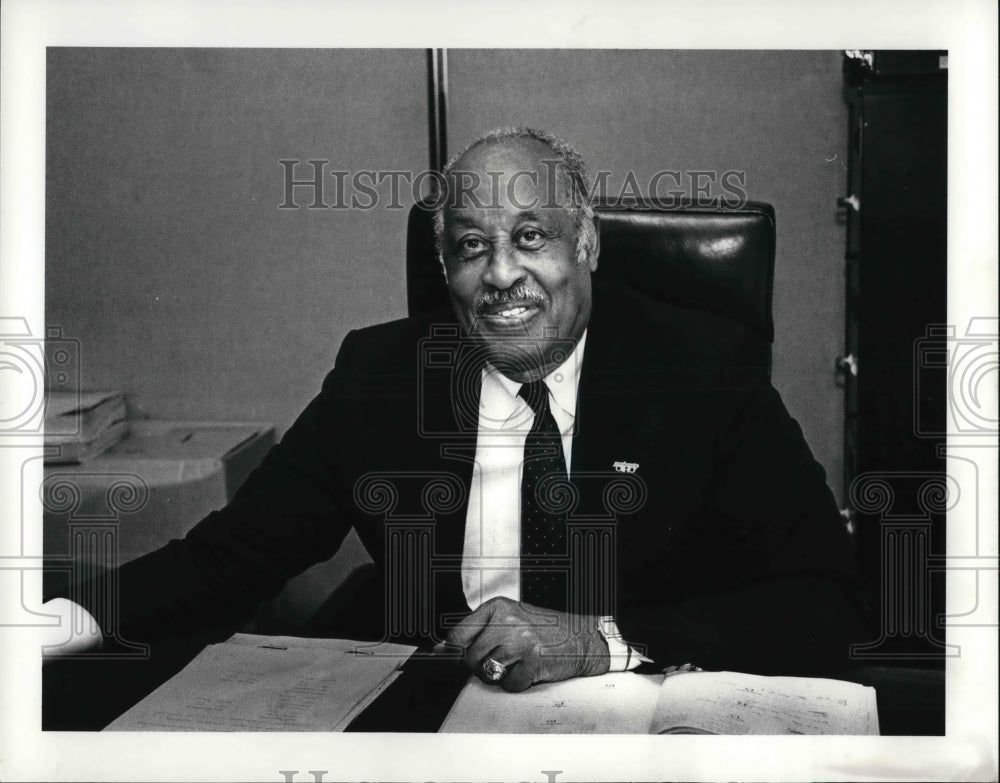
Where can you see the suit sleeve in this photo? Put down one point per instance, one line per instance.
(291, 513)
(786, 596)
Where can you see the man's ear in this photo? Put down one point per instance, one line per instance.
(595, 243)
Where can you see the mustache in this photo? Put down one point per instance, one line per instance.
(510, 296)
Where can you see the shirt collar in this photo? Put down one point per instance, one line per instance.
(499, 401)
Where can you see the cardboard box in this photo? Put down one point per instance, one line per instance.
(156, 485)
(150, 488)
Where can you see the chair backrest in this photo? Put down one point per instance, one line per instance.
(719, 259)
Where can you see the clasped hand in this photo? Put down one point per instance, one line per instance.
(534, 644)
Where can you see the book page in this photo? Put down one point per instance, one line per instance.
(269, 683)
(733, 703)
(618, 703)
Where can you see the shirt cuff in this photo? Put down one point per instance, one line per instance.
(624, 657)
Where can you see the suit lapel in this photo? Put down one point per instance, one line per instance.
(448, 400)
(610, 421)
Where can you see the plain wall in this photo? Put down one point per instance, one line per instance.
(777, 116)
(166, 253)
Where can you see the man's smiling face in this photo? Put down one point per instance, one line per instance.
(510, 250)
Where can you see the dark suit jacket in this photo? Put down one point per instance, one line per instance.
(724, 548)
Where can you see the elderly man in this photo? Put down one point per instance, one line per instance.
(479, 456)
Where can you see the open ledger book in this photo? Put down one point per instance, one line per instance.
(269, 683)
(688, 703)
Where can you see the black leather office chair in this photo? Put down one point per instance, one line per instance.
(718, 259)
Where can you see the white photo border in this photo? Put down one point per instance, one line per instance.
(966, 29)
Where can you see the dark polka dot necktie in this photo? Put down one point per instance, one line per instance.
(543, 533)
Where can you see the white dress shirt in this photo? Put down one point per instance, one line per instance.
(491, 554)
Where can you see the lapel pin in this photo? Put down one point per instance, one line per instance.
(626, 467)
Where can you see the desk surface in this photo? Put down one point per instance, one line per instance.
(86, 695)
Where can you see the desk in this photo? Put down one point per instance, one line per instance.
(86, 695)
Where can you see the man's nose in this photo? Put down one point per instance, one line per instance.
(504, 267)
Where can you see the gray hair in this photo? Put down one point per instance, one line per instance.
(572, 168)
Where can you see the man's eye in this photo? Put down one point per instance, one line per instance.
(531, 238)
(469, 246)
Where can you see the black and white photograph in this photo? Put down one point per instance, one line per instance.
(387, 404)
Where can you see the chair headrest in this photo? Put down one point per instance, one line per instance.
(717, 259)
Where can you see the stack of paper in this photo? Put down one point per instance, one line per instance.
(83, 425)
(269, 683)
